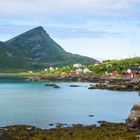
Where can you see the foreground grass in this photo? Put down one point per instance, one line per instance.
(107, 131)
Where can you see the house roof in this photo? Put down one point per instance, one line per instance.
(135, 69)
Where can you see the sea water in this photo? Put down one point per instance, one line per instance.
(32, 103)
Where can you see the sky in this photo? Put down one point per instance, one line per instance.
(102, 29)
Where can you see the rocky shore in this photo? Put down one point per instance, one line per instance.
(66, 78)
(106, 131)
(95, 79)
(103, 82)
(133, 121)
(119, 85)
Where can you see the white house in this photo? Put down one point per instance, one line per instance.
(86, 70)
(79, 70)
(51, 68)
(77, 65)
(30, 72)
(45, 69)
(129, 70)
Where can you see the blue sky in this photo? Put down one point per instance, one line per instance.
(104, 29)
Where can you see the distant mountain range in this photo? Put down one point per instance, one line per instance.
(35, 49)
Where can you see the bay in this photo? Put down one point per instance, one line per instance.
(31, 103)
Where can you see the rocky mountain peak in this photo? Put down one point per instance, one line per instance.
(35, 49)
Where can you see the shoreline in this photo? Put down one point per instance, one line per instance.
(98, 79)
(108, 83)
(102, 82)
(106, 131)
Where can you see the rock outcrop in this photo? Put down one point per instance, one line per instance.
(52, 85)
(117, 84)
(133, 121)
(75, 86)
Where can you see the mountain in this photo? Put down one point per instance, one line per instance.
(35, 49)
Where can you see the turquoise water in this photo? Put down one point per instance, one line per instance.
(23, 102)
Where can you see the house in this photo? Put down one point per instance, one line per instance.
(137, 70)
(132, 72)
(106, 73)
(77, 65)
(86, 70)
(30, 72)
(51, 68)
(114, 73)
(79, 70)
(72, 73)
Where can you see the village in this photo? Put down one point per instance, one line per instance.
(107, 69)
(122, 75)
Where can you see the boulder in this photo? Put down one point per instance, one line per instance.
(52, 85)
(136, 88)
(133, 121)
(91, 115)
(92, 87)
(75, 86)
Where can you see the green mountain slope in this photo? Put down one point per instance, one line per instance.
(116, 65)
(34, 49)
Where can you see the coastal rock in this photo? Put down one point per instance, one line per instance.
(52, 85)
(118, 86)
(51, 124)
(133, 121)
(91, 115)
(92, 87)
(136, 88)
(75, 86)
(4, 136)
(34, 78)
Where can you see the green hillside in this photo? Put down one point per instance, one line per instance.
(34, 49)
(116, 65)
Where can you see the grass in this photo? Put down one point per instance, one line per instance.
(115, 65)
(96, 70)
(107, 131)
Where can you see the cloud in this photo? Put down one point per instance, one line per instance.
(71, 18)
(85, 27)
(10, 31)
(49, 7)
(66, 32)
